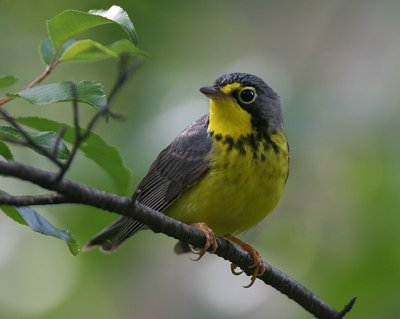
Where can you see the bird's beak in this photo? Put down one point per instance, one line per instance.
(214, 93)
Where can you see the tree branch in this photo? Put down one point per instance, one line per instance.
(72, 192)
(29, 141)
(18, 201)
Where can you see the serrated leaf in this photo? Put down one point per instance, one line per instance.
(71, 22)
(7, 80)
(95, 148)
(5, 151)
(27, 216)
(89, 92)
(118, 15)
(46, 140)
(47, 50)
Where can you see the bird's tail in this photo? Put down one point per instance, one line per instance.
(114, 235)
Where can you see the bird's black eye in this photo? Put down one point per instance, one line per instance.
(247, 95)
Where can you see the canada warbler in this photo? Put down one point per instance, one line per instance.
(223, 174)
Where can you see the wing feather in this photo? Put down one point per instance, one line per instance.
(177, 167)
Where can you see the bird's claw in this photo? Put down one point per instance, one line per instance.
(233, 270)
(211, 241)
(258, 265)
(259, 270)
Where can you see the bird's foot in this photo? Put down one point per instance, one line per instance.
(258, 264)
(211, 241)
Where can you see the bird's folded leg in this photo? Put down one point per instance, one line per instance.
(211, 241)
(258, 264)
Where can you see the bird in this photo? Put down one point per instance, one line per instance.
(223, 174)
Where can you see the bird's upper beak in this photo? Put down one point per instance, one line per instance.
(214, 92)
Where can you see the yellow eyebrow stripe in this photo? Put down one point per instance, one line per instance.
(229, 88)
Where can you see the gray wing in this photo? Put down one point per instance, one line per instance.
(176, 168)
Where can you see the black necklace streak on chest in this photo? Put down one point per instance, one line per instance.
(258, 144)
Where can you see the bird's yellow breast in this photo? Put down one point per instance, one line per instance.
(244, 183)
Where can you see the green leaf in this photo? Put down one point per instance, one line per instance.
(69, 23)
(12, 212)
(126, 47)
(7, 80)
(5, 151)
(27, 216)
(47, 51)
(89, 50)
(95, 148)
(89, 92)
(46, 140)
(118, 15)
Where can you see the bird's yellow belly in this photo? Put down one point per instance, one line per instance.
(238, 191)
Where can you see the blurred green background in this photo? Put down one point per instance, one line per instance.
(335, 65)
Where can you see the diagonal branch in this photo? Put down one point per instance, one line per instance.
(49, 68)
(18, 201)
(29, 141)
(125, 70)
(77, 193)
(57, 142)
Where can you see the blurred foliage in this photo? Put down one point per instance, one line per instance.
(58, 48)
(335, 66)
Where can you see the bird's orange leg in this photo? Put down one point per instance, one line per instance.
(258, 265)
(211, 241)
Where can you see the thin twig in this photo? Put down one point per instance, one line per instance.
(117, 116)
(4, 100)
(125, 71)
(49, 68)
(75, 108)
(78, 137)
(92, 123)
(346, 309)
(57, 142)
(28, 139)
(158, 222)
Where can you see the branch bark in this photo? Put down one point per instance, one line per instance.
(18, 201)
(68, 191)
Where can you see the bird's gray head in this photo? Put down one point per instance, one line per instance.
(253, 95)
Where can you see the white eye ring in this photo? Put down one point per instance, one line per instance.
(247, 95)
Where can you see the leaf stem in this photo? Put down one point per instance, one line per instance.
(49, 68)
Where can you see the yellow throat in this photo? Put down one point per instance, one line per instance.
(227, 117)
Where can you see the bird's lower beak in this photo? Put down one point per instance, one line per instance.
(213, 92)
